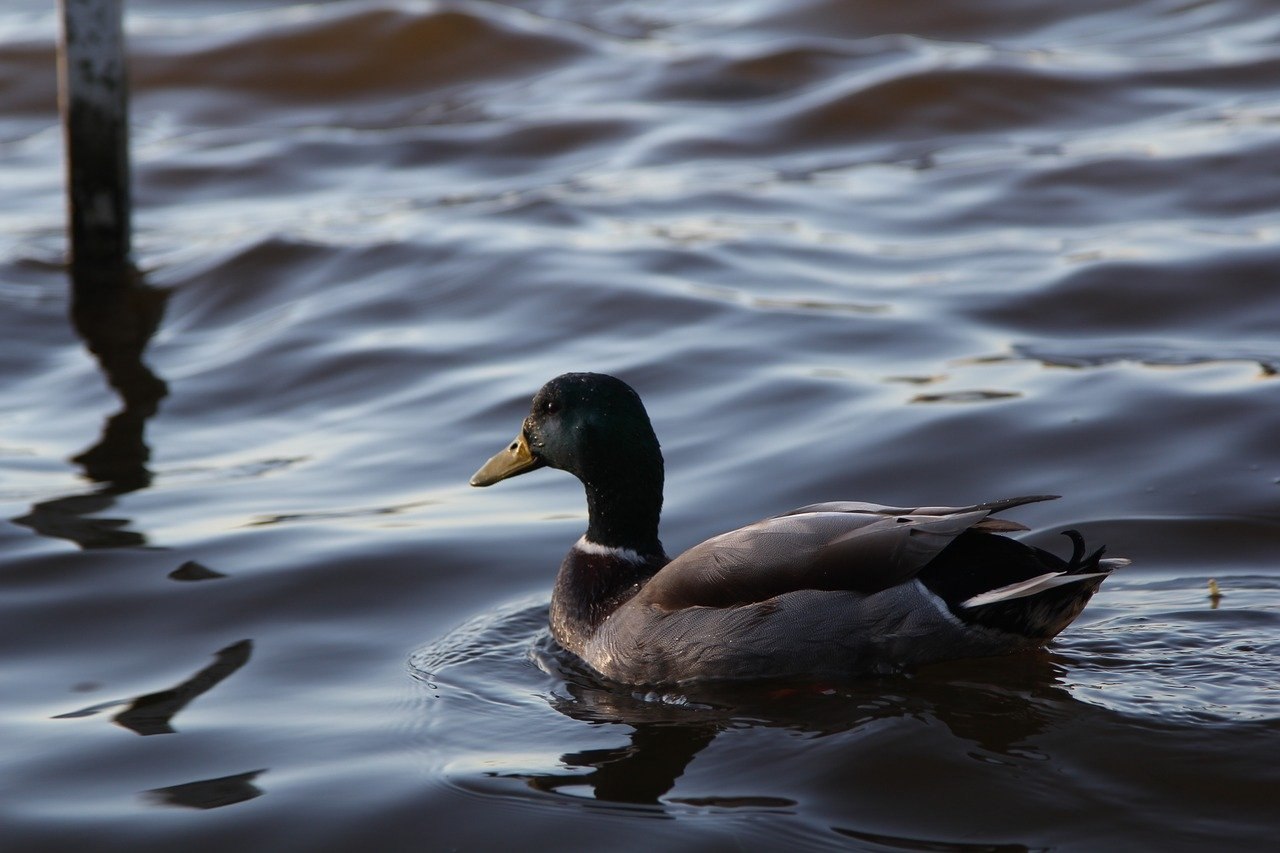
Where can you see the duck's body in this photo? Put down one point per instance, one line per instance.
(826, 591)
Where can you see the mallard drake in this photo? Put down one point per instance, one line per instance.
(829, 590)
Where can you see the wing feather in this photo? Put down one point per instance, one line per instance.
(843, 545)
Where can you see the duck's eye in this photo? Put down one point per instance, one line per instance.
(551, 407)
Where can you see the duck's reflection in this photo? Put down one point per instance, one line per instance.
(997, 704)
(209, 793)
(152, 713)
(638, 773)
(116, 313)
(881, 841)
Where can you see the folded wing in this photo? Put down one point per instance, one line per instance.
(853, 546)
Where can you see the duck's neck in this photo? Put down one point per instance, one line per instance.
(625, 513)
(613, 561)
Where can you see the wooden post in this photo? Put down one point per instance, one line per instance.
(93, 89)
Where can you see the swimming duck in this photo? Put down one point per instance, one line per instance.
(829, 590)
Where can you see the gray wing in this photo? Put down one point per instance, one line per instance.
(850, 545)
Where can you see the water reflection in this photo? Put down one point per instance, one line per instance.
(998, 705)
(193, 571)
(209, 793)
(639, 773)
(152, 713)
(116, 314)
(880, 841)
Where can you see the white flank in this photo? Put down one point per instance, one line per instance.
(586, 546)
(1029, 587)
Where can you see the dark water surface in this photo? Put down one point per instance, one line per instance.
(911, 252)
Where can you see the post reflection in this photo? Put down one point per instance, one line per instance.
(209, 793)
(116, 314)
(153, 713)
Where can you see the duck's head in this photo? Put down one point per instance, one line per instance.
(589, 424)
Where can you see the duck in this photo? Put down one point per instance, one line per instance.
(828, 591)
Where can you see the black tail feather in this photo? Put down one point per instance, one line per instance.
(1077, 548)
(979, 562)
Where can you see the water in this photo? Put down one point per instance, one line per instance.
(912, 253)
